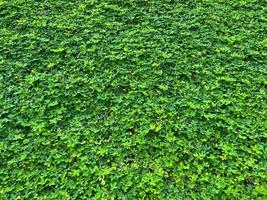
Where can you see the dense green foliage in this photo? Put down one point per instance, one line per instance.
(134, 99)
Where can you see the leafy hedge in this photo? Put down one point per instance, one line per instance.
(133, 99)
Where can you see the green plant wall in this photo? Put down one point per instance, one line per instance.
(133, 99)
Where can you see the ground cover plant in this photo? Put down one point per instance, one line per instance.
(134, 99)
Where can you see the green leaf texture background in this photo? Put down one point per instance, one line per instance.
(133, 99)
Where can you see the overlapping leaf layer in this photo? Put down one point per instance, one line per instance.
(134, 99)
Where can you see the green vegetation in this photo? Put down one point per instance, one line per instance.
(133, 99)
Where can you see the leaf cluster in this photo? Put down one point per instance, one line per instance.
(116, 100)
